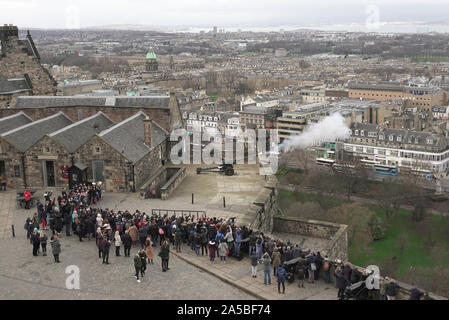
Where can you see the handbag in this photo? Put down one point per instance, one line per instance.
(227, 252)
(313, 266)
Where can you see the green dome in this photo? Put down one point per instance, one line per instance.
(151, 55)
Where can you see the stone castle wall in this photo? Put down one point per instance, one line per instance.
(16, 62)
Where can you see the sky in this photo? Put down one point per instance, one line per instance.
(222, 13)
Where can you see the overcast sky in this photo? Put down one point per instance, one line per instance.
(260, 13)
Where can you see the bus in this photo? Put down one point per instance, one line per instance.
(340, 167)
(385, 169)
(325, 162)
(369, 163)
(424, 173)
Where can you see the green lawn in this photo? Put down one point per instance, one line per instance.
(416, 252)
(288, 175)
(286, 198)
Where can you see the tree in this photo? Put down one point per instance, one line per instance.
(376, 228)
(419, 213)
(352, 175)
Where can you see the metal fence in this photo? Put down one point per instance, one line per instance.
(176, 213)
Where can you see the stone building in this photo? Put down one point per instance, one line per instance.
(121, 155)
(162, 109)
(10, 89)
(20, 57)
(8, 124)
(403, 148)
(15, 146)
(124, 156)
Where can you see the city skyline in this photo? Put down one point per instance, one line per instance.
(348, 15)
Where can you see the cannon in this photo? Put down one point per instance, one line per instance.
(226, 169)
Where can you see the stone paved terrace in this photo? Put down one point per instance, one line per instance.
(238, 273)
(24, 276)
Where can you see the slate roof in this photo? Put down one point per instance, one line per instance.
(10, 86)
(14, 121)
(128, 137)
(25, 136)
(408, 138)
(75, 135)
(73, 101)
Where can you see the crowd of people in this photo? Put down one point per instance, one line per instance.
(212, 237)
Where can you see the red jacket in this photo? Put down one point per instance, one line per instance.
(27, 195)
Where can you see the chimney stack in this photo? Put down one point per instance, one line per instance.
(147, 125)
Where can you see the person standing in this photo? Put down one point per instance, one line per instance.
(106, 245)
(127, 242)
(55, 248)
(149, 250)
(3, 182)
(341, 283)
(118, 243)
(326, 270)
(238, 242)
(266, 260)
(392, 290)
(254, 262)
(204, 240)
(43, 241)
(276, 260)
(27, 198)
(41, 214)
(137, 265)
(212, 249)
(300, 271)
(143, 256)
(197, 243)
(280, 273)
(134, 234)
(100, 237)
(164, 253)
(178, 238)
(35, 240)
(311, 267)
(222, 250)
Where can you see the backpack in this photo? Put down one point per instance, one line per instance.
(326, 266)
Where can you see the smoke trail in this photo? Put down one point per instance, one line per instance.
(329, 129)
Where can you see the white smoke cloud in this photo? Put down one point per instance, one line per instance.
(329, 129)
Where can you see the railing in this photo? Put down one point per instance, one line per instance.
(173, 212)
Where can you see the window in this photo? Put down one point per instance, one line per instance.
(429, 141)
(97, 150)
(80, 114)
(372, 134)
(16, 171)
(390, 137)
(381, 137)
(356, 132)
(362, 133)
(416, 140)
(399, 138)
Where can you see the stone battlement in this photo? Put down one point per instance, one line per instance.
(8, 31)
